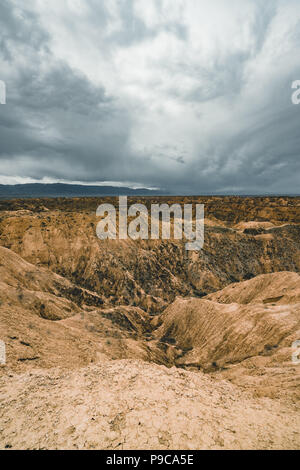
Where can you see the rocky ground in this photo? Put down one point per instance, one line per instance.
(128, 404)
(137, 344)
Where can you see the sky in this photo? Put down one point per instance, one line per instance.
(189, 96)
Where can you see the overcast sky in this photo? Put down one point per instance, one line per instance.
(191, 96)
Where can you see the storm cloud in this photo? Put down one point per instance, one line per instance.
(189, 96)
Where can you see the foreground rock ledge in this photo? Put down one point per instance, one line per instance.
(129, 404)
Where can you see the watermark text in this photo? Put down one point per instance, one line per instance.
(296, 94)
(2, 92)
(2, 353)
(161, 222)
(296, 352)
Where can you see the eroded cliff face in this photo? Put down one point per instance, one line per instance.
(229, 313)
(150, 274)
(245, 337)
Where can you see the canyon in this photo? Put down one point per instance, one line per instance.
(133, 344)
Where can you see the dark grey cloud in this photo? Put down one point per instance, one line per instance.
(56, 122)
(191, 99)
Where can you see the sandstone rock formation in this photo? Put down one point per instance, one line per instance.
(249, 344)
(138, 344)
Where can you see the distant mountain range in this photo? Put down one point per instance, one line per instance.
(37, 190)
